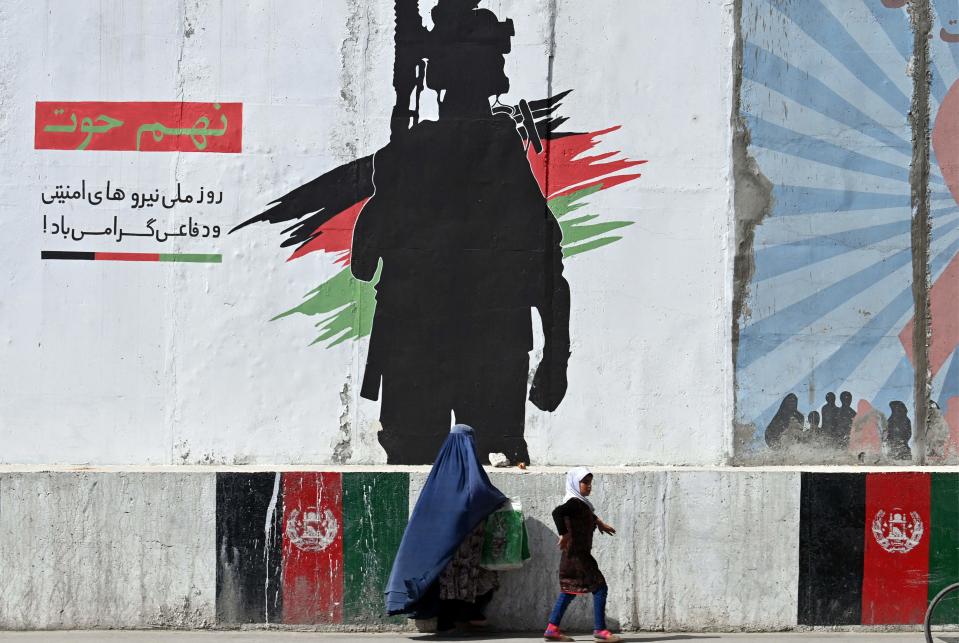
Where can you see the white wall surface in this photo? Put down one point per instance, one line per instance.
(159, 363)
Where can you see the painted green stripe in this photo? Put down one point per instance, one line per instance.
(375, 512)
(560, 206)
(569, 251)
(575, 230)
(944, 546)
(192, 258)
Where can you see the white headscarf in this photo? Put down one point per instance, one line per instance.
(573, 478)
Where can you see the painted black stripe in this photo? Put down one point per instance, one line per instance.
(248, 559)
(60, 254)
(831, 548)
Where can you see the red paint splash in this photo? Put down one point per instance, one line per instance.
(945, 325)
(569, 171)
(335, 236)
(952, 419)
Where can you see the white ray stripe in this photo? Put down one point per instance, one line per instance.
(944, 202)
(804, 54)
(862, 26)
(821, 338)
(773, 294)
(781, 110)
(799, 227)
(785, 169)
(940, 379)
(885, 358)
(870, 376)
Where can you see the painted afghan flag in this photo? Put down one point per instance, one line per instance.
(307, 548)
(875, 548)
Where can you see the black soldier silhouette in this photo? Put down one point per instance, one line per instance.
(465, 247)
(898, 432)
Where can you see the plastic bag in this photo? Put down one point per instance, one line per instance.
(505, 541)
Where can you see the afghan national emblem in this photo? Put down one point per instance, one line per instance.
(897, 532)
(312, 530)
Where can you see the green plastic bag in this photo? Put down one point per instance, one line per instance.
(505, 541)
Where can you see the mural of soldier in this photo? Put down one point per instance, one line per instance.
(468, 247)
(450, 236)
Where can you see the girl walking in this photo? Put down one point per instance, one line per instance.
(578, 571)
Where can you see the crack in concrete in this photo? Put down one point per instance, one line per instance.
(752, 202)
(920, 15)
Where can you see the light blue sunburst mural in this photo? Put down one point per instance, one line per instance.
(826, 94)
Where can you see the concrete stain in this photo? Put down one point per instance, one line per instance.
(343, 450)
(752, 202)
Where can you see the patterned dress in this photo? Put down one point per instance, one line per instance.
(578, 571)
(464, 579)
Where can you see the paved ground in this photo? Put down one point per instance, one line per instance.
(302, 637)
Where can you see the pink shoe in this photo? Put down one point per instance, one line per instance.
(553, 633)
(606, 636)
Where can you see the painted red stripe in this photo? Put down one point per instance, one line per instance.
(336, 235)
(126, 256)
(894, 584)
(169, 126)
(569, 167)
(312, 548)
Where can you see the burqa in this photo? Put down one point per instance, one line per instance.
(457, 496)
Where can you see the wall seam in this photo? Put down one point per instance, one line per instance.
(920, 15)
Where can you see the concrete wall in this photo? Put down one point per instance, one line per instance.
(703, 549)
(135, 550)
(104, 550)
(223, 251)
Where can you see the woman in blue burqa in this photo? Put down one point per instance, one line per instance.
(437, 569)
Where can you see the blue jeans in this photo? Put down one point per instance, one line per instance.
(599, 608)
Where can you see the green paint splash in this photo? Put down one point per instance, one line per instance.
(347, 304)
(579, 235)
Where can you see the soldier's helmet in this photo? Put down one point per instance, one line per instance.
(467, 48)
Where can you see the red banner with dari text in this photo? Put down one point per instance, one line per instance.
(139, 126)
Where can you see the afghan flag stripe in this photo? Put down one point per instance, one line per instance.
(832, 518)
(312, 548)
(127, 256)
(944, 544)
(375, 511)
(896, 564)
(248, 512)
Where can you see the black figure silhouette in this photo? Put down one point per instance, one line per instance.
(898, 432)
(842, 426)
(787, 418)
(829, 416)
(466, 246)
(814, 432)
